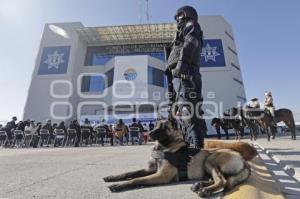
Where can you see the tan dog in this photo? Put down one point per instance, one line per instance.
(172, 162)
(247, 151)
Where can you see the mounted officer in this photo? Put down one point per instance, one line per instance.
(254, 103)
(269, 105)
(184, 79)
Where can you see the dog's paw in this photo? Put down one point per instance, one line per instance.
(201, 184)
(204, 192)
(109, 179)
(116, 188)
(196, 186)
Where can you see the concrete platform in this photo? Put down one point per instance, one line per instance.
(283, 151)
(282, 158)
(78, 172)
(260, 185)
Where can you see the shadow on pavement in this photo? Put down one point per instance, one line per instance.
(289, 186)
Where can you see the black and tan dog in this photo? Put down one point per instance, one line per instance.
(173, 161)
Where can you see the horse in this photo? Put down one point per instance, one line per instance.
(265, 120)
(223, 124)
(245, 120)
(281, 115)
(234, 123)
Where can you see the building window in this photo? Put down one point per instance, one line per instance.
(85, 83)
(100, 55)
(231, 50)
(238, 81)
(156, 77)
(158, 55)
(100, 59)
(235, 66)
(110, 77)
(92, 83)
(229, 35)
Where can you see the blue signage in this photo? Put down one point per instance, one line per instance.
(54, 60)
(130, 74)
(212, 54)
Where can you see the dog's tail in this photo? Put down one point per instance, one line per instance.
(247, 151)
(242, 176)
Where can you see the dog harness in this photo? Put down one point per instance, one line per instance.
(178, 159)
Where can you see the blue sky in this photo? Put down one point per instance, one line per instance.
(267, 35)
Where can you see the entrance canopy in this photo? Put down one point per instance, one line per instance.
(128, 34)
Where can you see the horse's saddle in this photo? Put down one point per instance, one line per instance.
(251, 112)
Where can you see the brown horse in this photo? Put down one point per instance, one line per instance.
(265, 119)
(281, 115)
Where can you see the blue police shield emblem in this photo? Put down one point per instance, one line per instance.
(54, 60)
(212, 54)
(130, 74)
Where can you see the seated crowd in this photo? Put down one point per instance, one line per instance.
(35, 134)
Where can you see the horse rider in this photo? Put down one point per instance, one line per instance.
(269, 105)
(254, 103)
(183, 73)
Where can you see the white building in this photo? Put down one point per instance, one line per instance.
(101, 72)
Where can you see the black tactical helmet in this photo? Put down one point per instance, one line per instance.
(188, 13)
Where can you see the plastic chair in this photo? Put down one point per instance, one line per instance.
(134, 133)
(27, 138)
(3, 138)
(72, 136)
(85, 135)
(45, 137)
(18, 138)
(59, 137)
(102, 134)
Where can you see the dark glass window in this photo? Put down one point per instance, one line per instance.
(97, 59)
(156, 77)
(95, 83)
(100, 55)
(100, 59)
(110, 77)
(85, 83)
(158, 55)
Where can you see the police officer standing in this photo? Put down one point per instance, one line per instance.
(184, 79)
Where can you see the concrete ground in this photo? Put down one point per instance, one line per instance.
(78, 172)
(284, 151)
(282, 158)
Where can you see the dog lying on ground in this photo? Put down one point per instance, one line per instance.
(173, 161)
